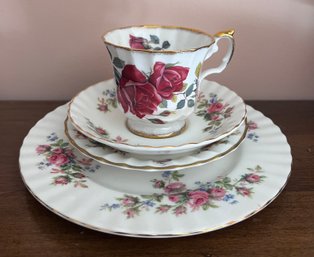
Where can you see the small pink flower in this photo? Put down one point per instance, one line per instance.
(158, 184)
(173, 198)
(57, 150)
(215, 107)
(180, 210)
(244, 191)
(198, 198)
(42, 149)
(69, 153)
(120, 140)
(103, 107)
(58, 159)
(175, 187)
(217, 192)
(128, 201)
(101, 131)
(252, 178)
(61, 180)
(252, 125)
(130, 213)
(215, 117)
(163, 208)
(86, 162)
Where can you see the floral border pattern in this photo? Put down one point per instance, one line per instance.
(175, 197)
(63, 163)
(252, 135)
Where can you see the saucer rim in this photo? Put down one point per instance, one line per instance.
(153, 168)
(150, 147)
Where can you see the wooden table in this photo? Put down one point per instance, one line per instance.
(284, 228)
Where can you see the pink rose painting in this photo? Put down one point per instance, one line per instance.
(174, 197)
(63, 163)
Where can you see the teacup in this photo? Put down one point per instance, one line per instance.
(158, 70)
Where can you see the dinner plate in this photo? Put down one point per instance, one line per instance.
(113, 157)
(160, 204)
(218, 113)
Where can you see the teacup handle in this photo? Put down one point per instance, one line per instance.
(214, 48)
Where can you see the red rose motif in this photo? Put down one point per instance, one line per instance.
(42, 149)
(173, 198)
(180, 210)
(217, 192)
(101, 131)
(61, 180)
(57, 150)
(252, 125)
(130, 213)
(137, 42)
(168, 79)
(244, 191)
(175, 187)
(58, 159)
(136, 94)
(163, 208)
(198, 198)
(252, 178)
(215, 107)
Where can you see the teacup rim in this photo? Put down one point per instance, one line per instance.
(159, 51)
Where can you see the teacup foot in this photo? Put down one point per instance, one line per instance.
(156, 131)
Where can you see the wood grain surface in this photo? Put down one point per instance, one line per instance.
(284, 228)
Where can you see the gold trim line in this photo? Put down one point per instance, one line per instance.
(124, 165)
(160, 51)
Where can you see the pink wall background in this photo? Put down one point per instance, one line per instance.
(52, 49)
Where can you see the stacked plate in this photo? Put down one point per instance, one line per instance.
(82, 163)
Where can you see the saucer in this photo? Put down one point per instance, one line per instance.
(95, 114)
(113, 157)
(162, 204)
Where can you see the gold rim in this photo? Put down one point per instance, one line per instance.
(96, 138)
(197, 163)
(160, 51)
(151, 136)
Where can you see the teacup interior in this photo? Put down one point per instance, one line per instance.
(158, 38)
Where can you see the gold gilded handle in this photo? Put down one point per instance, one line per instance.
(214, 48)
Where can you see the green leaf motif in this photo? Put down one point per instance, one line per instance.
(156, 121)
(163, 104)
(174, 98)
(181, 104)
(165, 44)
(198, 70)
(116, 75)
(191, 103)
(118, 62)
(189, 91)
(154, 39)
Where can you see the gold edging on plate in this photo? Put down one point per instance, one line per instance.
(96, 138)
(104, 161)
(143, 134)
(228, 224)
(160, 51)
